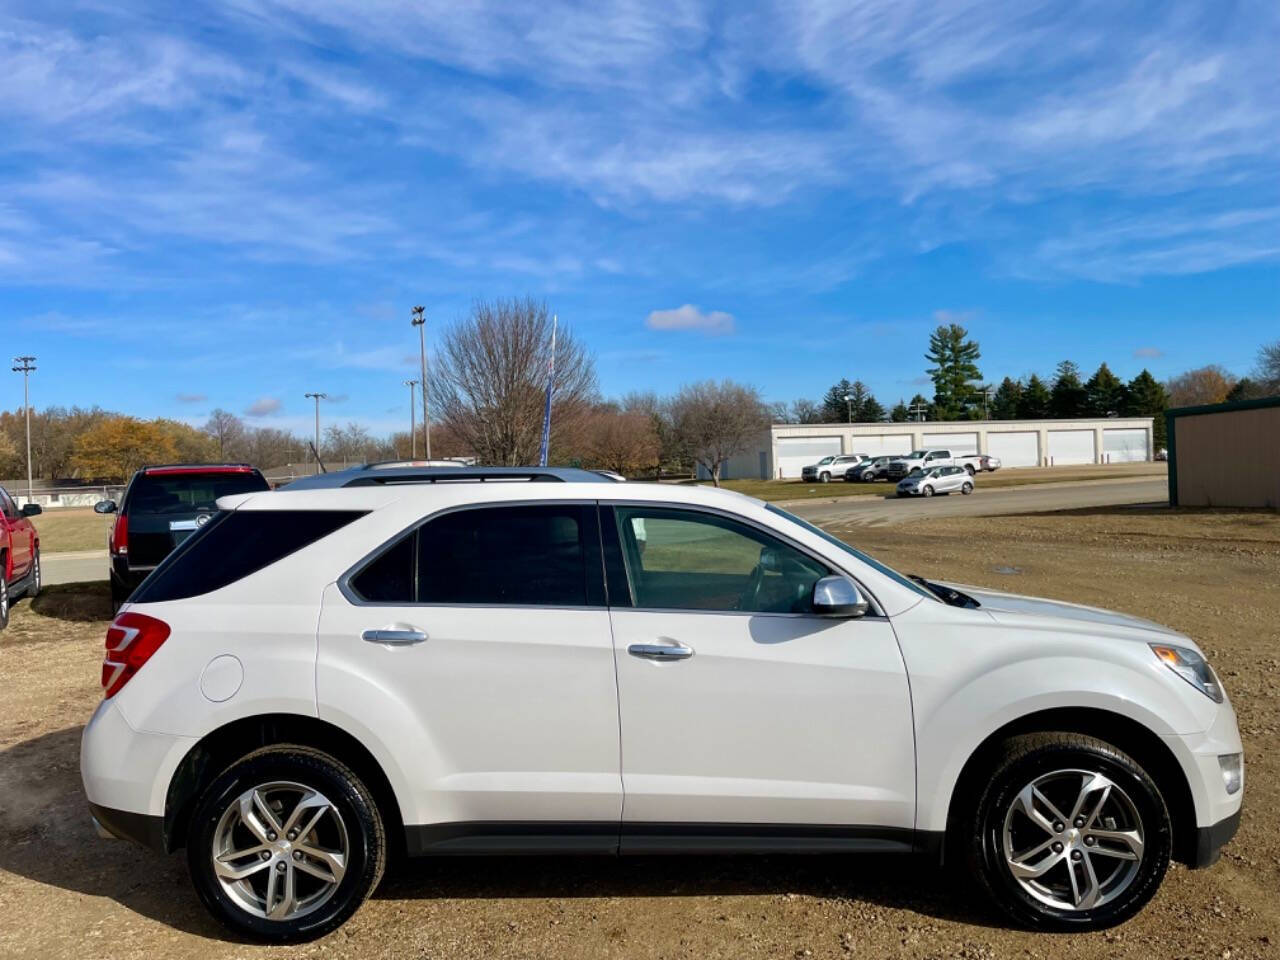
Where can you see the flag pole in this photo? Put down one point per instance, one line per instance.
(551, 379)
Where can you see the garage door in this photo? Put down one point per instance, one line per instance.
(889, 444)
(1015, 449)
(960, 444)
(796, 453)
(1070, 446)
(1124, 446)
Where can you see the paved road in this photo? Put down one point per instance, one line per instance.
(1038, 498)
(73, 567)
(867, 511)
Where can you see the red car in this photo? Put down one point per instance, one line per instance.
(19, 553)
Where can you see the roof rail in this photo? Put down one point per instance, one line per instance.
(388, 476)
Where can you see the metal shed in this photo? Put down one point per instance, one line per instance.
(1225, 454)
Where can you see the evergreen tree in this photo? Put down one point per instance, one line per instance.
(872, 411)
(1008, 396)
(899, 412)
(1245, 389)
(954, 359)
(835, 409)
(1035, 399)
(1105, 393)
(1147, 398)
(1068, 397)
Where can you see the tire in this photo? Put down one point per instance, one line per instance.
(118, 596)
(1060, 765)
(967, 488)
(4, 597)
(34, 578)
(824, 478)
(282, 776)
(970, 468)
(927, 491)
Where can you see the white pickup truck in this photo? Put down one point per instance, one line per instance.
(899, 467)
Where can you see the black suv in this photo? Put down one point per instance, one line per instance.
(161, 507)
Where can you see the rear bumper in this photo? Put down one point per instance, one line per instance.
(1211, 840)
(126, 825)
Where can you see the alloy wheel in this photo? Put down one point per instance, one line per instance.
(280, 850)
(4, 599)
(1073, 839)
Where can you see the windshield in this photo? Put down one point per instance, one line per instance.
(874, 564)
(825, 460)
(916, 454)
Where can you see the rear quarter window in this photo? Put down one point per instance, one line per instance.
(233, 545)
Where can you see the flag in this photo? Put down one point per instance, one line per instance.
(551, 379)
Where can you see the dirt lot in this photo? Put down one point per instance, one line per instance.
(65, 893)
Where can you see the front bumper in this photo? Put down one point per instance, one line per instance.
(1211, 840)
(125, 825)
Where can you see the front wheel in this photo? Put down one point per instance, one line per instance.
(824, 478)
(927, 491)
(967, 488)
(286, 845)
(1069, 833)
(4, 597)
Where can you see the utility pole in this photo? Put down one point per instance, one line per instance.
(919, 409)
(419, 320)
(26, 368)
(317, 397)
(413, 429)
(848, 399)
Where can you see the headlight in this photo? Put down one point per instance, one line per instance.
(1191, 667)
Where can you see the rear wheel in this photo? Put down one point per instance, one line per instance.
(33, 579)
(970, 468)
(286, 845)
(1069, 833)
(967, 488)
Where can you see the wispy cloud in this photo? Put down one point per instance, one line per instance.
(264, 407)
(713, 322)
(190, 398)
(1148, 353)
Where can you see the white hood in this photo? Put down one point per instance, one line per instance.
(1010, 607)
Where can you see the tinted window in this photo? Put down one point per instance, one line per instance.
(187, 492)
(684, 560)
(7, 506)
(389, 578)
(233, 545)
(527, 555)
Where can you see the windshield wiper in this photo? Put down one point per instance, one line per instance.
(947, 595)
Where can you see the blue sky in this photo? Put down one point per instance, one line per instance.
(231, 205)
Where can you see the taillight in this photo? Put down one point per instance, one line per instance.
(131, 640)
(120, 535)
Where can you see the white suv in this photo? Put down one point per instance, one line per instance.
(386, 659)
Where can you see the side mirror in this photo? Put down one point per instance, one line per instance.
(104, 506)
(31, 509)
(838, 597)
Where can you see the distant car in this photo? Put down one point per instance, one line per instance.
(925, 483)
(868, 470)
(900, 467)
(988, 463)
(829, 467)
(19, 553)
(1162, 454)
(161, 507)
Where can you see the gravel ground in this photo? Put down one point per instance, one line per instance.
(65, 893)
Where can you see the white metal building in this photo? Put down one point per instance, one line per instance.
(787, 447)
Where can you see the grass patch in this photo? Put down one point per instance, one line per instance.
(71, 530)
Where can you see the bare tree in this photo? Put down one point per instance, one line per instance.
(1268, 373)
(716, 421)
(626, 443)
(227, 431)
(490, 376)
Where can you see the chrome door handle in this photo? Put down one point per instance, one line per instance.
(399, 638)
(660, 651)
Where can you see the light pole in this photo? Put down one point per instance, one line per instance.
(317, 397)
(27, 366)
(419, 320)
(848, 399)
(413, 430)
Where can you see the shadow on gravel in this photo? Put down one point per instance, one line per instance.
(46, 836)
(81, 602)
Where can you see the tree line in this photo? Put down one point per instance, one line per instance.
(960, 393)
(488, 388)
